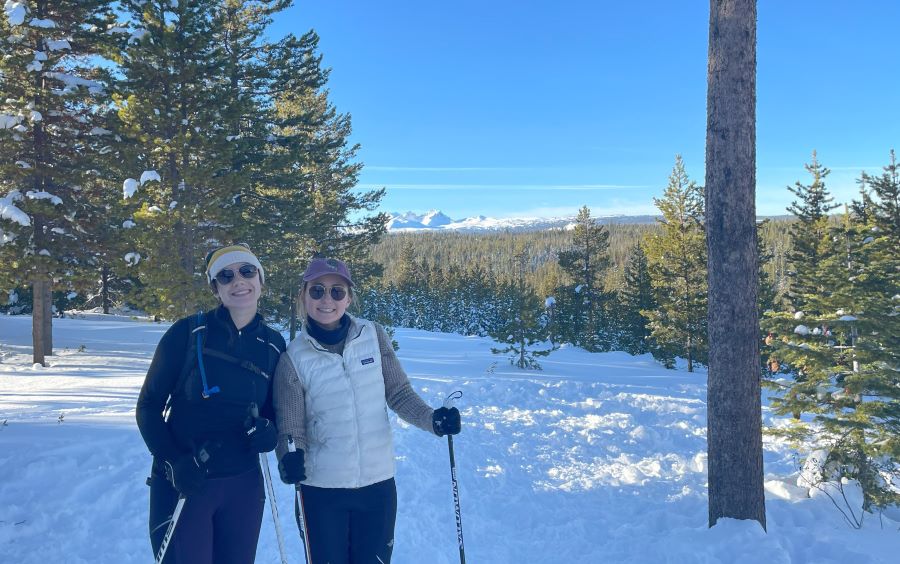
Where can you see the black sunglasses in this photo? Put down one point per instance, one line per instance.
(226, 275)
(317, 292)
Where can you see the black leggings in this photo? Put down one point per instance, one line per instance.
(351, 526)
(218, 525)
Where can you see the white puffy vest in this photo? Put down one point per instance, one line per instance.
(349, 440)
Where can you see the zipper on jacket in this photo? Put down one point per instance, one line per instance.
(355, 408)
(347, 343)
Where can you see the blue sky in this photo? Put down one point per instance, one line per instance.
(535, 108)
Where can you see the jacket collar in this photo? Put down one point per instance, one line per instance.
(221, 316)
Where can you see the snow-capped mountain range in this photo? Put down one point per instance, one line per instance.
(435, 220)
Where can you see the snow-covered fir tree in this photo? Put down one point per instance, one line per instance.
(175, 106)
(52, 82)
(842, 355)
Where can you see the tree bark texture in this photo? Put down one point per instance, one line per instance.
(48, 317)
(734, 411)
(41, 322)
(104, 288)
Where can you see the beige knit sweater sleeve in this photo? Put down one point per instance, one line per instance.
(290, 406)
(398, 392)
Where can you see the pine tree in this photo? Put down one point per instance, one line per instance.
(480, 288)
(676, 257)
(766, 292)
(813, 247)
(109, 279)
(408, 267)
(303, 187)
(522, 327)
(410, 287)
(842, 360)
(810, 238)
(843, 353)
(808, 295)
(112, 275)
(586, 264)
(175, 105)
(885, 205)
(635, 296)
(52, 83)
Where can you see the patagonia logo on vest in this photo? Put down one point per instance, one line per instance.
(366, 361)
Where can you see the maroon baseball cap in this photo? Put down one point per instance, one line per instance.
(319, 267)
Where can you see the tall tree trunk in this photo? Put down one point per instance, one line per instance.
(104, 288)
(734, 411)
(522, 362)
(41, 321)
(690, 354)
(48, 317)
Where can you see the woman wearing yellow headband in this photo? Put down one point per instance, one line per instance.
(205, 412)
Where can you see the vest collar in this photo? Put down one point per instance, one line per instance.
(354, 330)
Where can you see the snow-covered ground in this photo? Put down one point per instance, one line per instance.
(597, 458)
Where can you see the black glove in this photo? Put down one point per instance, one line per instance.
(446, 421)
(291, 469)
(262, 433)
(186, 475)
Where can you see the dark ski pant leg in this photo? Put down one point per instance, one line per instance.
(238, 518)
(327, 524)
(372, 524)
(219, 525)
(351, 526)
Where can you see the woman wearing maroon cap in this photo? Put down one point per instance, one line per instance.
(332, 389)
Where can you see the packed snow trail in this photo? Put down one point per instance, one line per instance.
(597, 458)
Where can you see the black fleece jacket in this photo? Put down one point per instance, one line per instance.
(215, 423)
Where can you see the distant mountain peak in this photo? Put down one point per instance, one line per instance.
(436, 220)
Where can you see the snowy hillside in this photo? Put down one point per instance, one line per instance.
(598, 458)
(438, 221)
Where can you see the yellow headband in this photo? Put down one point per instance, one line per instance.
(220, 258)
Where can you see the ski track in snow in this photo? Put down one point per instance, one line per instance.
(597, 458)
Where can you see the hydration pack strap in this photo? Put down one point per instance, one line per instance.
(245, 364)
(207, 391)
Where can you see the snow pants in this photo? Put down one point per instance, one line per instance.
(219, 525)
(350, 525)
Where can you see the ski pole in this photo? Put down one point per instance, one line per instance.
(301, 516)
(254, 411)
(170, 530)
(448, 403)
(201, 456)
